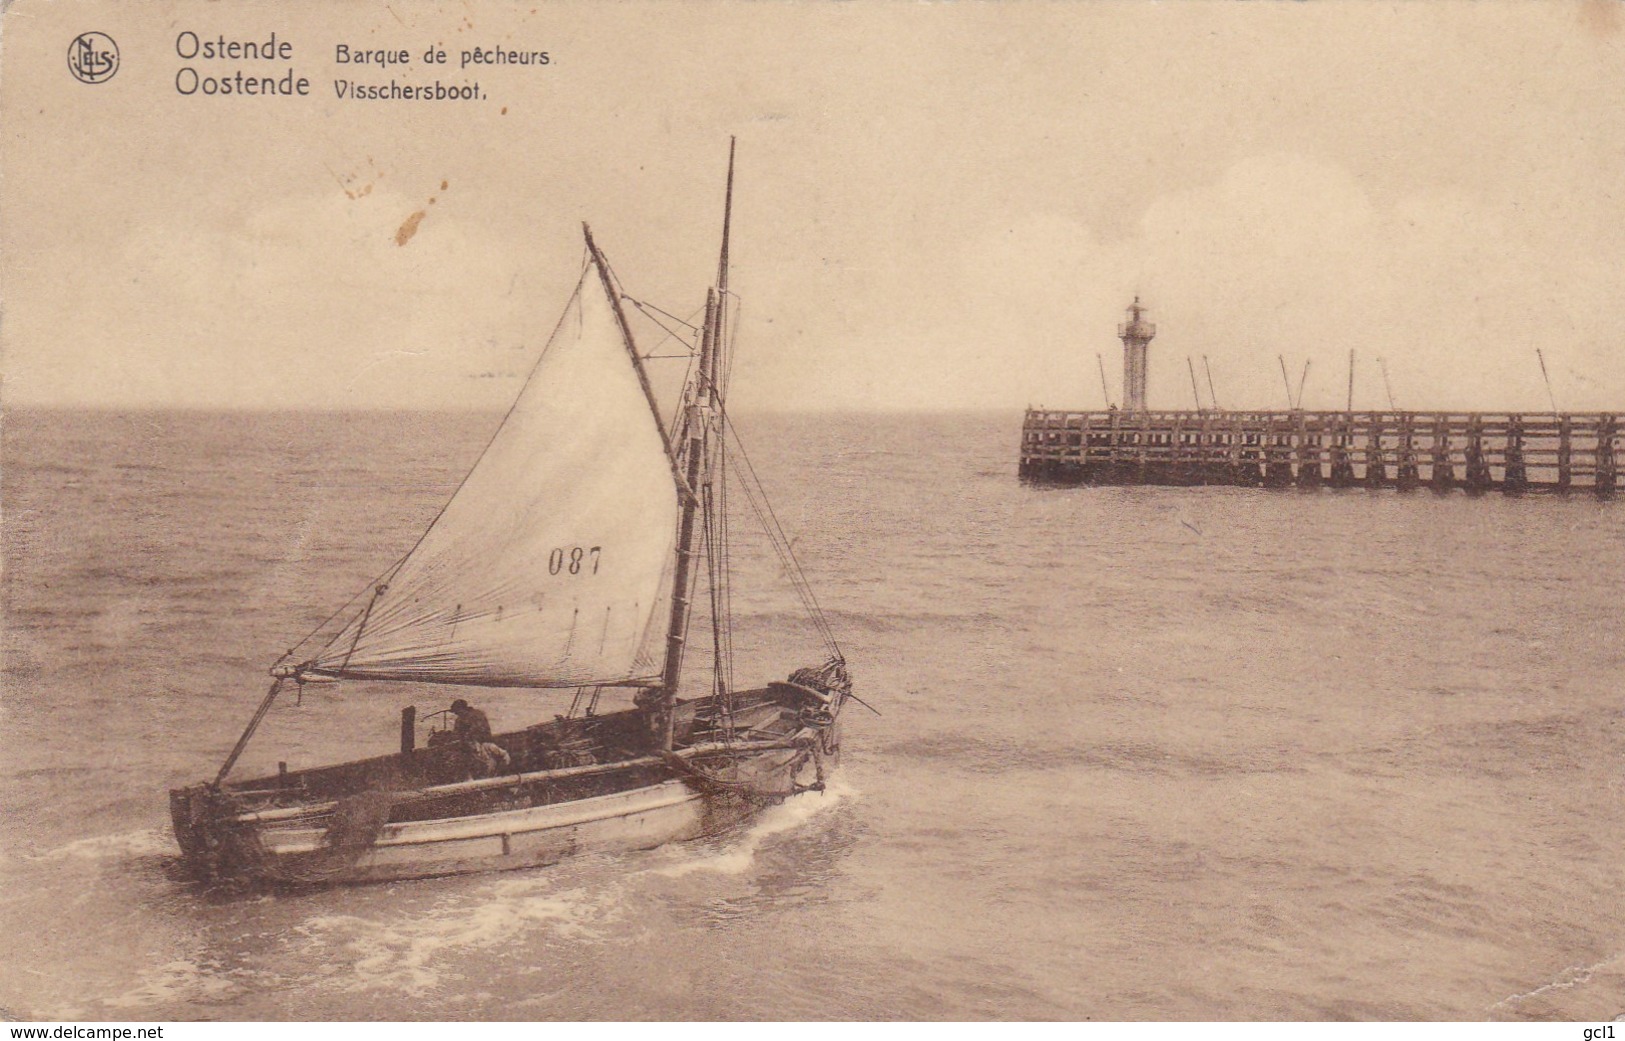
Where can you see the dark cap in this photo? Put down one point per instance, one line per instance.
(459, 705)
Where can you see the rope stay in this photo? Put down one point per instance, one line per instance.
(756, 496)
(723, 633)
(670, 333)
(761, 506)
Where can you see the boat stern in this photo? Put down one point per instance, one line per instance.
(195, 813)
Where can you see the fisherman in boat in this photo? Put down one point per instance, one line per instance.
(473, 733)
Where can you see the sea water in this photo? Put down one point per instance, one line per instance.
(1141, 753)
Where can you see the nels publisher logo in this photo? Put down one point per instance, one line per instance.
(93, 57)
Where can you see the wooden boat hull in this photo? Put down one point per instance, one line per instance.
(639, 819)
(525, 819)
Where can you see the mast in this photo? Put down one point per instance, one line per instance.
(677, 627)
(702, 409)
(727, 224)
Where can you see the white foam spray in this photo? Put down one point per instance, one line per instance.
(738, 854)
(403, 953)
(1569, 978)
(175, 983)
(145, 843)
(407, 953)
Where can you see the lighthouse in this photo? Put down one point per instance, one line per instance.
(1136, 334)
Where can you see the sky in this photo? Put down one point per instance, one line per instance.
(938, 206)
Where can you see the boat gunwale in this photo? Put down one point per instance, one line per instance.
(398, 841)
(504, 780)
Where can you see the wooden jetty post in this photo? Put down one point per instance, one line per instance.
(1515, 474)
(1410, 475)
(1477, 464)
(1376, 466)
(1606, 474)
(1444, 472)
(1308, 451)
(1342, 457)
(1565, 458)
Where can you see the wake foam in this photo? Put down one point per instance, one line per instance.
(736, 855)
(130, 844)
(1568, 979)
(402, 953)
(411, 952)
(174, 984)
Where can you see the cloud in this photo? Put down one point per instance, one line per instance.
(1288, 255)
(296, 301)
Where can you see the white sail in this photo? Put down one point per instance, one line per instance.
(550, 566)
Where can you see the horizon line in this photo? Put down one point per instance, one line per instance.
(256, 409)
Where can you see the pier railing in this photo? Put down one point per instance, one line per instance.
(1475, 451)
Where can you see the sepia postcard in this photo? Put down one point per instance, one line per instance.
(802, 511)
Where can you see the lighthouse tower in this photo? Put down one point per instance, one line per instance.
(1136, 334)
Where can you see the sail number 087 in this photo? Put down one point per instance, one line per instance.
(574, 560)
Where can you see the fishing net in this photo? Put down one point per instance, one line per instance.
(356, 823)
(715, 779)
(358, 820)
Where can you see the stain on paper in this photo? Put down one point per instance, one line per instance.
(409, 227)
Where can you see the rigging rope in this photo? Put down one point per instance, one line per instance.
(388, 572)
(724, 565)
(757, 497)
(716, 528)
(722, 472)
(719, 621)
(646, 308)
(763, 509)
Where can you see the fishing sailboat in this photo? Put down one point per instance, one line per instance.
(568, 559)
